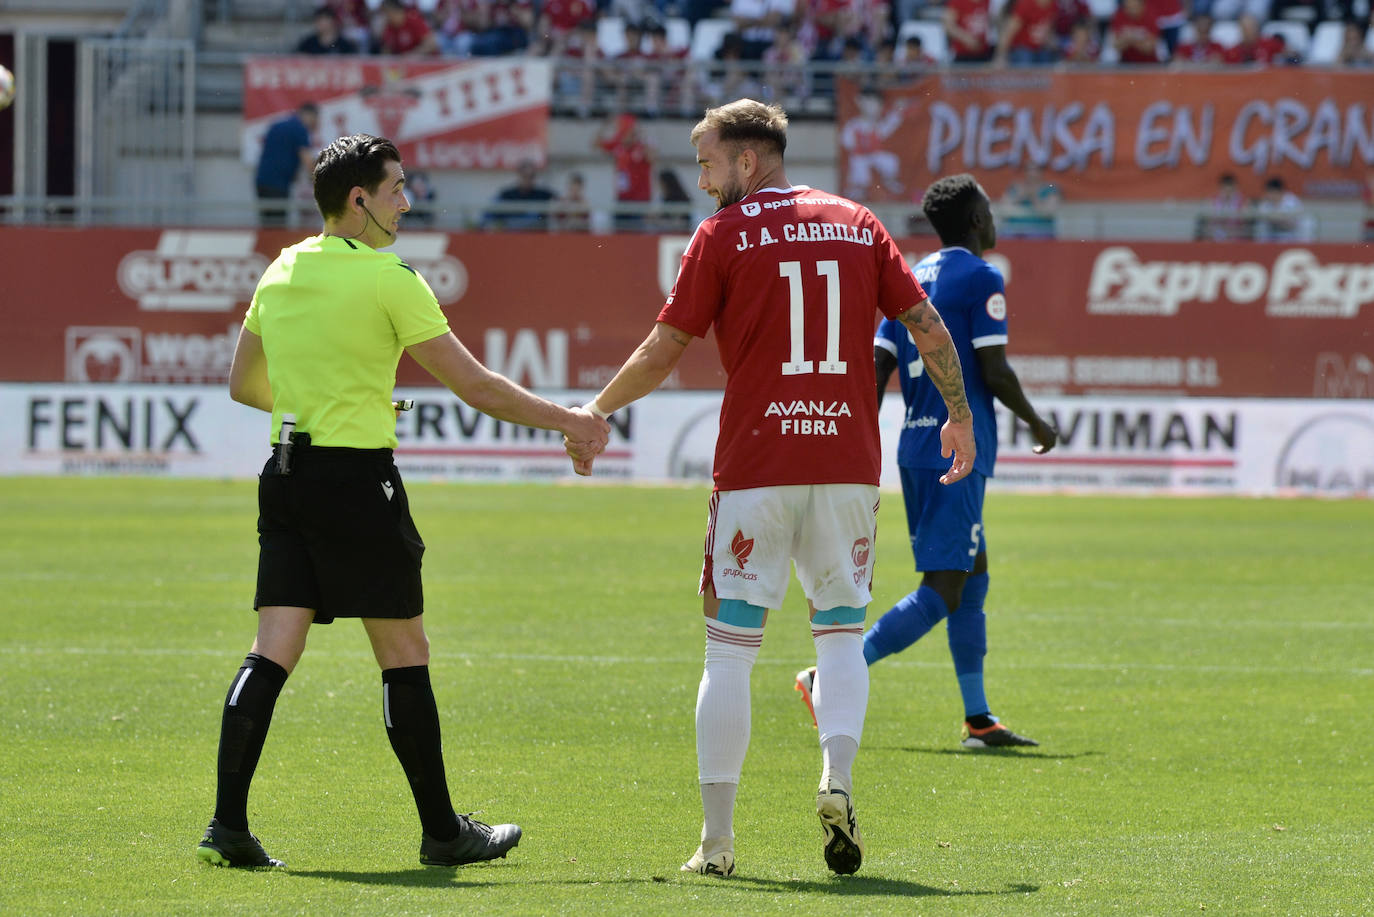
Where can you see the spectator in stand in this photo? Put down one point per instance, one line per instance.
(355, 21)
(1027, 37)
(757, 22)
(634, 163)
(914, 54)
(1170, 17)
(1082, 46)
(729, 77)
(1255, 47)
(454, 24)
(573, 213)
(1134, 33)
(1030, 204)
(629, 68)
(558, 20)
(328, 37)
(524, 197)
(968, 26)
(785, 69)
(1353, 52)
(1203, 49)
(405, 32)
(420, 190)
(579, 67)
(1067, 13)
(1279, 214)
(285, 148)
(504, 27)
(1227, 218)
(677, 216)
(667, 81)
(824, 25)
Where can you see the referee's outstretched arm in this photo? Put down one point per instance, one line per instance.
(446, 359)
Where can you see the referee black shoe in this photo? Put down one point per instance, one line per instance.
(476, 841)
(223, 846)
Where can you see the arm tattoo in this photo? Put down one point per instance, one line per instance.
(680, 337)
(942, 365)
(942, 361)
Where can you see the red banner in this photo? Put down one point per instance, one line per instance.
(489, 113)
(564, 311)
(1122, 135)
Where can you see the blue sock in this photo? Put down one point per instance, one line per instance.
(968, 644)
(905, 623)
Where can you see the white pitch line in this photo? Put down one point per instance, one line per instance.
(1124, 668)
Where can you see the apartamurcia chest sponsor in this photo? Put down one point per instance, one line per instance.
(808, 418)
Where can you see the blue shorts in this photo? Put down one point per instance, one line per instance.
(945, 520)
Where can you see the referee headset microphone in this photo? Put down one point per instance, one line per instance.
(359, 201)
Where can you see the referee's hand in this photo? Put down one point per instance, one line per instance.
(584, 437)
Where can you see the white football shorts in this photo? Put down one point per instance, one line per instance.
(827, 530)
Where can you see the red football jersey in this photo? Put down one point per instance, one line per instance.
(792, 279)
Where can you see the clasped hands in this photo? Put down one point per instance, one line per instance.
(585, 438)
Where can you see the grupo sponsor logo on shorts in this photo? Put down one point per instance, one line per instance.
(1296, 284)
(1329, 455)
(427, 252)
(859, 552)
(740, 549)
(96, 354)
(193, 270)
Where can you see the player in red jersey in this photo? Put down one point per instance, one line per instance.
(792, 279)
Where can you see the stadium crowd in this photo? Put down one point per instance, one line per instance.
(632, 36)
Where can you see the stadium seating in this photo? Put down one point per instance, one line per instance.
(707, 36)
(1295, 35)
(1226, 33)
(932, 35)
(610, 35)
(679, 32)
(1326, 43)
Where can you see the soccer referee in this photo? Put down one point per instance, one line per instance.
(319, 349)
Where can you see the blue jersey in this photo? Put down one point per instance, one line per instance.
(281, 153)
(970, 296)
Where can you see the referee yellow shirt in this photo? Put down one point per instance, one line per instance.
(334, 316)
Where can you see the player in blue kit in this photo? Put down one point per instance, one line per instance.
(946, 521)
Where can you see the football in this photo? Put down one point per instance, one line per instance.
(6, 87)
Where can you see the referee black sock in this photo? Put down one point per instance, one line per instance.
(247, 714)
(412, 725)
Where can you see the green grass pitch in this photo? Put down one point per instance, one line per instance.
(1200, 673)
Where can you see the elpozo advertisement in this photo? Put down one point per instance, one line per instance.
(1288, 447)
(1229, 320)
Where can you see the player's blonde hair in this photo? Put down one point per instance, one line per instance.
(746, 123)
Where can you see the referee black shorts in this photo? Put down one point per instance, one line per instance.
(336, 535)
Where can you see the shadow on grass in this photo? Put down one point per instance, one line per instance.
(835, 885)
(865, 885)
(413, 878)
(1010, 753)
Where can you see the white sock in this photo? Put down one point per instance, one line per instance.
(840, 699)
(718, 808)
(723, 720)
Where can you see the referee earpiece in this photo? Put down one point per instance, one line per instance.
(358, 201)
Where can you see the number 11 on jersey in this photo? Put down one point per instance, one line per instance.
(791, 271)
